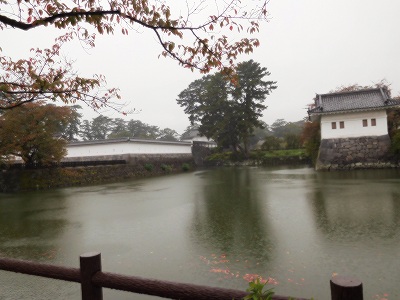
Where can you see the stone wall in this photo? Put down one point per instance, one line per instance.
(354, 153)
(133, 159)
(136, 166)
(200, 153)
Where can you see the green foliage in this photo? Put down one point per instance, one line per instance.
(224, 156)
(227, 156)
(256, 291)
(284, 153)
(227, 111)
(395, 144)
(258, 155)
(311, 138)
(103, 127)
(393, 121)
(277, 127)
(185, 167)
(281, 128)
(167, 134)
(166, 168)
(70, 132)
(138, 129)
(118, 129)
(293, 141)
(271, 143)
(259, 134)
(148, 167)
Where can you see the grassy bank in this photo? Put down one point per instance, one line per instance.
(259, 157)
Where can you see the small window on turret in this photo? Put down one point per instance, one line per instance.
(365, 123)
(341, 124)
(333, 125)
(373, 122)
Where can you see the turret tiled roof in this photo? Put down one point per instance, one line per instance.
(367, 99)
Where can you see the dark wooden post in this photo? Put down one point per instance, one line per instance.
(90, 264)
(346, 288)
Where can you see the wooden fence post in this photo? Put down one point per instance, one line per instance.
(90, 264)
(346, 288)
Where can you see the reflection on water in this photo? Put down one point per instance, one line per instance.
(229, 226)
(214, 227)
(229, 217)
(29, 223)
(357, 206)
(357, 215)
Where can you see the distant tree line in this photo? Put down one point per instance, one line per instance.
(103, 127)
(280, 135)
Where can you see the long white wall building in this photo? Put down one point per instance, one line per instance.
(126, 146)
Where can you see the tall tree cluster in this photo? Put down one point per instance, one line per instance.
(228, 109)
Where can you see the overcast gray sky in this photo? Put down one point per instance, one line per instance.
(309, 46)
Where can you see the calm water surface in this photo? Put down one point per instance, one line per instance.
(214, 227)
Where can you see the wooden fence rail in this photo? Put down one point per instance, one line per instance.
(92, 280)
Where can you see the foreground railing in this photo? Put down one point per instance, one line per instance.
(92, 280)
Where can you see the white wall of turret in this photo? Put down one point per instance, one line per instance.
(356, 124)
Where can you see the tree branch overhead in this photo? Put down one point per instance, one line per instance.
(195, 41)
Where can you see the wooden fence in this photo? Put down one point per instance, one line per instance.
(93, 279)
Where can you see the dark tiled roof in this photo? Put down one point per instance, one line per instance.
(368, 99)
(190, 134)
(125, 140)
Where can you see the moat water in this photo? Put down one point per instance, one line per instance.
(215, 227)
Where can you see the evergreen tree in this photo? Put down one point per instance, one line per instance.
(227, 111)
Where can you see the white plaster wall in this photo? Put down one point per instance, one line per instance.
(127, 148)
(353, 125)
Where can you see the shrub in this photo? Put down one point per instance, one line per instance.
(148, 167)
(256, 291)
(166, 168)
(271, 143)
(220, 156)
(185, 167)
(292, 141)
(395, 145)
(311, 137)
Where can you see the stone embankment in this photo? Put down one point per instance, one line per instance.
(137, 166)
(355, 153)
